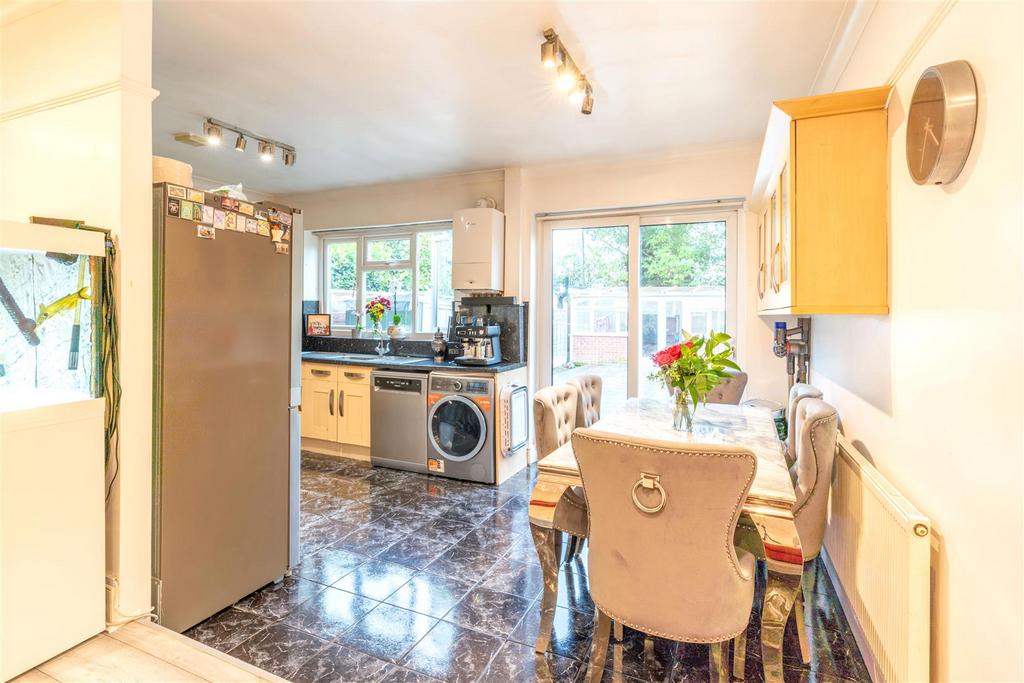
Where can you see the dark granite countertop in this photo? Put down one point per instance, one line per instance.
(407, 363)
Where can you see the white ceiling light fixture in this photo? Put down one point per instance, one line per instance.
(240, 143)
(213, 132)
(569, 79)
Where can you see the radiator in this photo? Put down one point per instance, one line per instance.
(878, 554)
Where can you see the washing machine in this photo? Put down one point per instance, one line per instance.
(461, 426)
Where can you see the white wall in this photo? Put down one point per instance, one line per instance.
(933, 391)
(75, 120)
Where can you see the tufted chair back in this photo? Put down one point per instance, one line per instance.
(730, 390)
(674, 571)
(588, 403)
(797, 393)
(554, 417)
(816, 427)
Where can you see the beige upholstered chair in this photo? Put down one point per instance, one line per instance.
(797, 393)
(554, 418)
(816, 426)
(588, 400)
(696, 588)
(730, 390)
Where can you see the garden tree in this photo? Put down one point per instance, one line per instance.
(343, 265)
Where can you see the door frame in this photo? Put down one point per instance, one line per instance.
(633, 222)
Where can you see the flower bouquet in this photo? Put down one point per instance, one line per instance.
(691, 370)
(375, 309)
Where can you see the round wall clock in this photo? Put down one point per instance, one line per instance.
(940, 125)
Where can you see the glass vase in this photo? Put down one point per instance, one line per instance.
(682, 412)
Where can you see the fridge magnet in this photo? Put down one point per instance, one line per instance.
(229, 203)
(286, 231)
(263, 227)
(245, 208)
(197, 196)
(285, 218)
(318, 324)
(176, 192)
(261, 214)
(174, 207)
(207, 214)
(275, 232)
(186, 210)
(251, 225)
(207, 232)
(218, 219)
(231, 222)
(281, 248)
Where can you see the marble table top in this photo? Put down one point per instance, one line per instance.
(719, 424)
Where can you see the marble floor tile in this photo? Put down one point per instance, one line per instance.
(517, 662)
(228, 628)
(375, 579)
(399, 674)
(337, 664)
(519, 578)
(414, 551)
(429, 594)
(452, 653)
(278, 599)
(279, 649)
(443, 529)
(465, 563)
(574, 590)
(329, 613)
(317, 532)
(490, 540)
(570, 635)
(328, 564)
(470, 512)
(489, 611)
(400, 519)
(388, 632)
(370, 540)
(523, 550)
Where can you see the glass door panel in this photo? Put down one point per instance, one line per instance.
(590, 308)
(682, 288)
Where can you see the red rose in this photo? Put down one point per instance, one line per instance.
(689, 344)
(667, 356)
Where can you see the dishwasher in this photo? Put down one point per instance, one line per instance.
(398, 420)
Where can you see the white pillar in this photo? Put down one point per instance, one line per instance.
(76, 141)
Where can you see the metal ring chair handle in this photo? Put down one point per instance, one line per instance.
(650, 482)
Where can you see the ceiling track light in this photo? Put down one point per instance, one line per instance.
(570, 79)
(213, 134)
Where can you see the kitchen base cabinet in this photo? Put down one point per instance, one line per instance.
(319, 419)
(354, 414)
(336, 409)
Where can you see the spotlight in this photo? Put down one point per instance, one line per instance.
(240, 143)
(579, 89)
(266, 151)
(213, 132)
(566, 76)
(550, 53)
(588, 101)
(288, 156)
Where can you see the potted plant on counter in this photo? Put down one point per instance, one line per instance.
(395, 330)
(691, 370)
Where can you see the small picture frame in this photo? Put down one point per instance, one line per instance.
(318, 325)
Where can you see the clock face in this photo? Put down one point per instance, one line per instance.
(924, 126)
(940, 123)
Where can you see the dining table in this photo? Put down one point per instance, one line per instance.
(768, 507)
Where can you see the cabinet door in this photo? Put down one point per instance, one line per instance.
(354, 414)
(320, 409)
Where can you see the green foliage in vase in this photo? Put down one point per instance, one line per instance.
(697, 365)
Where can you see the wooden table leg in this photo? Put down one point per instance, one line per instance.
(785, 561)
(549, 548)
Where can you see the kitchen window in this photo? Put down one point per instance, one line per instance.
(410, 265)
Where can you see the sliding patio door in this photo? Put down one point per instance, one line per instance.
(617, 289)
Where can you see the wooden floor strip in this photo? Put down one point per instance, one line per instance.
(103, 659)
(33, 676)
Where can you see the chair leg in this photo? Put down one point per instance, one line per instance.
(579, 545)
(739, 655)
(573, 540)
(801, 627)
(719, 671)
(618, 631)
(599, 652)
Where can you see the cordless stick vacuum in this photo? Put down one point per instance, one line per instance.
(794, 344)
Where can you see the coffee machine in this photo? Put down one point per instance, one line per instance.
(481, 344)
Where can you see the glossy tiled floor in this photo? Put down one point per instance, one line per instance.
(408, 578)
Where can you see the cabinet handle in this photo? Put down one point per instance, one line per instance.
(330, 402)
(341, 404)
(355, 375)
(776, 258)
(320, 373)
(762, 275)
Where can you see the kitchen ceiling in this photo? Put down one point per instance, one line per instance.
(377, 91)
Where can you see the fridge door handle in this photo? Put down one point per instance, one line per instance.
(341, 403)
(330, 402)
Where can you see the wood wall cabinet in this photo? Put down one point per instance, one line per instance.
(821, 201)
(336, 403)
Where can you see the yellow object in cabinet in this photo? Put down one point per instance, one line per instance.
(823, 184)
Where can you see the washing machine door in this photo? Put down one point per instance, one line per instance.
(458, 428)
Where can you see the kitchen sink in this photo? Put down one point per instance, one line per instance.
(364, 358)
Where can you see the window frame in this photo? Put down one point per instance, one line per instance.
(361, 237)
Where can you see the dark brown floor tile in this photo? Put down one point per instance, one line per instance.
(443, 529)
(518, 578)
(429, 594)
(463, 563)
(340, 664)
(375, 579)
(388, 632)
(329, 613)
(329, 564)
(399, 674)
(570, 634)
(414, 551)
(516, 662)
(228, 628)
(278, 599)
(370, 540)
(489, 611)
(279, 649)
